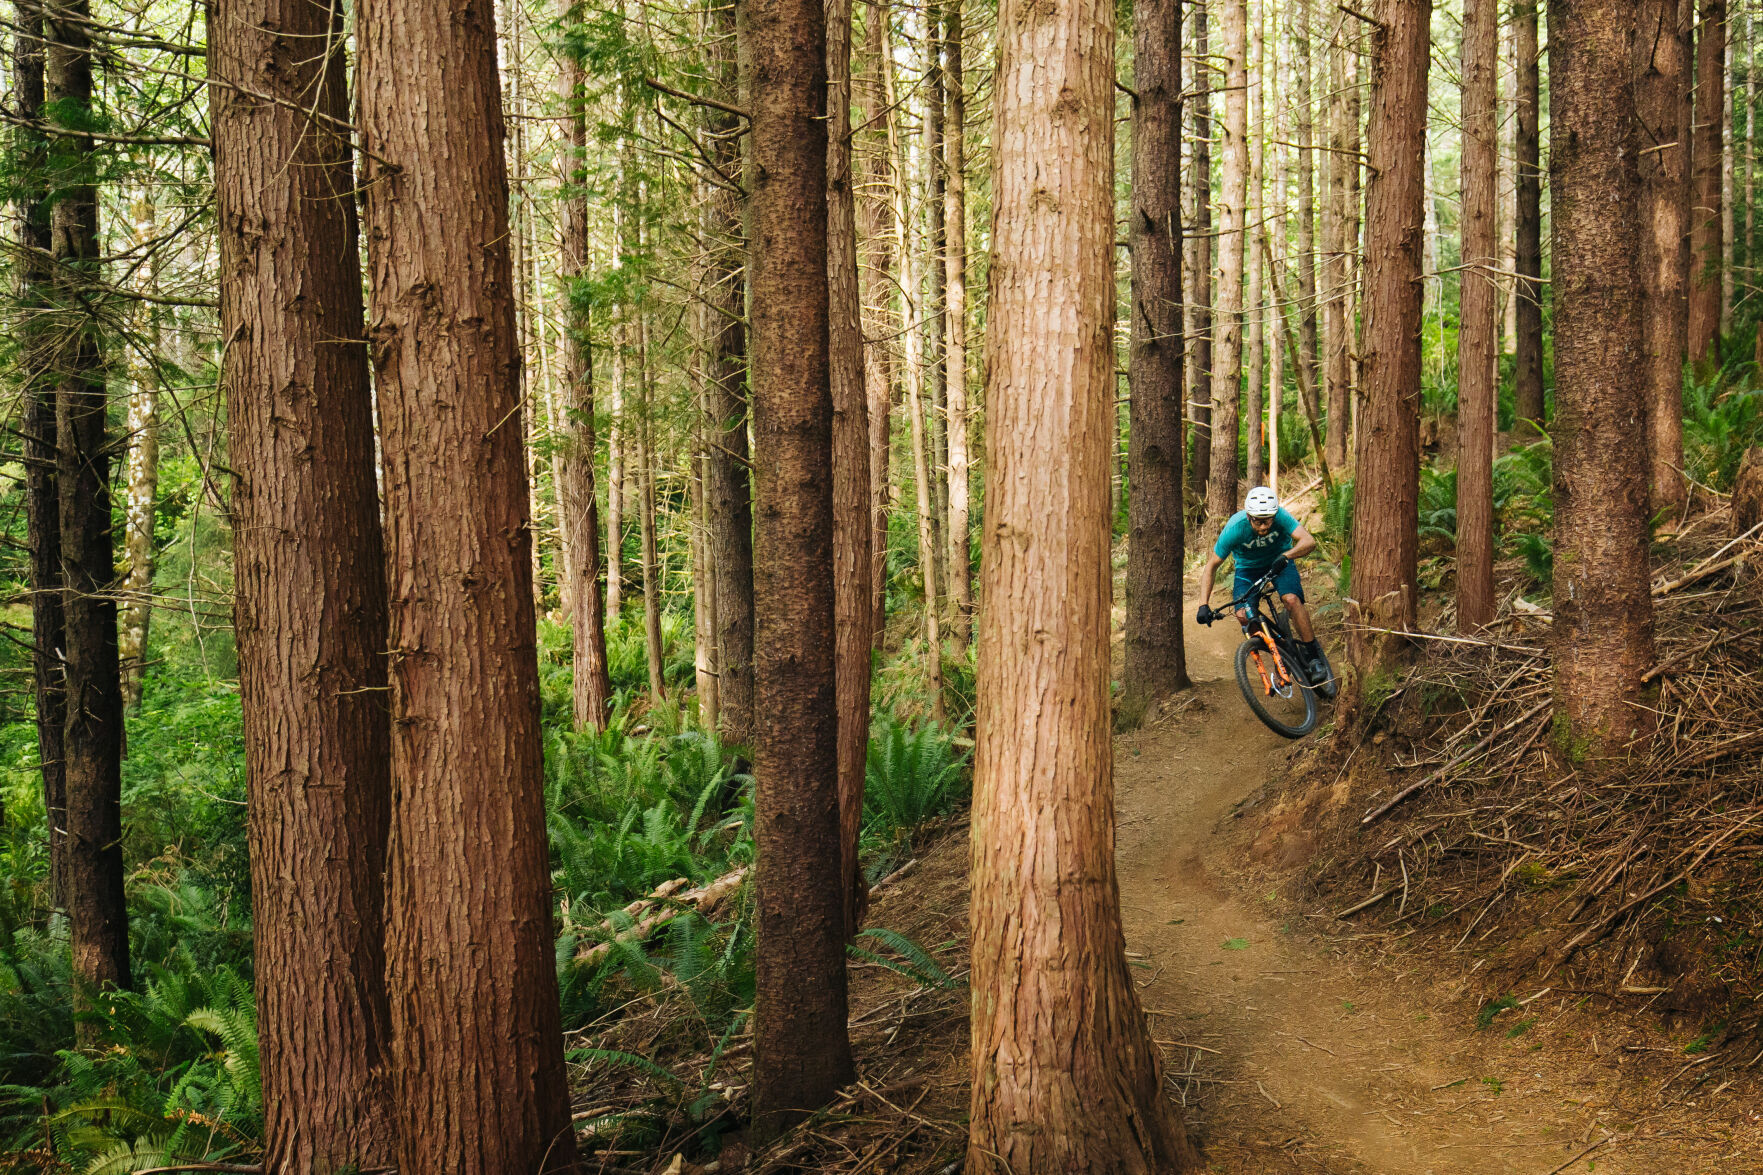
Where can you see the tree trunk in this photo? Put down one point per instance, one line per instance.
(469, 946)
(703, 566)
(876, 205)
(915, 414)
(310, 575)
(960, 561)
(1728, 114)
(1199, 385)
(96, 914)
(141, 431)
(1603, 630)
(850, 458)
(1707, 147)
(802, 1053)
(617, 436)
(1528, 287)
(1227, 371)
(38, 383)
(1340, 243)
(930, 318)
(1478, 318)
(1505, 161)
(1662, 59)
(731, 493)
(1047, 942)
(1387, 456)
(1156, 661)
(1255, 330)
(1306, 100)
(652, 640)
(580, 523)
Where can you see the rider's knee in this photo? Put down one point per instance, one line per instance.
(1242, 616)
(1292, 601)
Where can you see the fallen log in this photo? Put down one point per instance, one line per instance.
(677, 899)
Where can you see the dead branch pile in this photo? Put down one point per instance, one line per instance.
(1485, 837)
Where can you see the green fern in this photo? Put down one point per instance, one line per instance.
(912, 777)
(913, 961)
(615, 1059)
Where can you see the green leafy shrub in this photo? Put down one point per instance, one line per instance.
(1720, 421)
(911, 777)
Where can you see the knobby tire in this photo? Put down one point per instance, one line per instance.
(1249, 681)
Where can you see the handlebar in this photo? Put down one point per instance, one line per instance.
(1251, 593)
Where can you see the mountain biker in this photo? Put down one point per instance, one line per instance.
(1263, 537)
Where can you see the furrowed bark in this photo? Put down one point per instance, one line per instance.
(1387, 457)
(1156, 660)
(960, 559)
(802, 1053)
(1047, 941)
(1227, 373)
(310, 581)
(1603, 630)
(1478, 318)
(1528, 287)
(469, 943)
(1199, 384)
(1709, 140)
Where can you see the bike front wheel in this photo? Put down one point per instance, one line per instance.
(1285, 703)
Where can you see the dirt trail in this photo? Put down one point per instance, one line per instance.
(1309, 1064)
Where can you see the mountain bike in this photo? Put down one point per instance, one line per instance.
(1271, 669)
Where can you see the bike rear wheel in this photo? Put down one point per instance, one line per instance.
(1285, 707)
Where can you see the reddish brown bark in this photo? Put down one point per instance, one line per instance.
(1199, 276)
(1306, 71)
(850, 459)
(1339, 243)
(1156, 660)
(42, 481)
(1387, 450)
(468, 943)
(1603, 630)
(1478, 319)
(92, 744)
(1065, 1078)
(802, 1053)
(592, 693)
(1705, 196)
(1661, 73)
(310, 576)
(1233, 205)
(1528, 287)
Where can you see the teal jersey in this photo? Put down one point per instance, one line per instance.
(1254, 553)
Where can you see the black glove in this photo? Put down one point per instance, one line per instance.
(1280, 563)
(1205, 615)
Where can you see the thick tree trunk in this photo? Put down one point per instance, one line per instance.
(469, 947)
(960, 560)
(1227, 371)
(875, 205)
(1528, 287)
(731, 493)
(1478, 318)
(850, 459)
(36, 360)
(1705, 162)
(1047, 942)
(310, 574)
(96, 914)
(1199, 274)
(802, 1052)
(910, 311)
(1387, 456)
(1603, 631)
(1661, 84)
(580, 521)
(1156, 661)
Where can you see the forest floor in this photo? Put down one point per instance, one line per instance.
(1299, 1047)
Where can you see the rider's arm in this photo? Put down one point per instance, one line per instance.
(1211, 568)
(1303, 542)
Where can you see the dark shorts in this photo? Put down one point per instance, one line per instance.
(1287, 583)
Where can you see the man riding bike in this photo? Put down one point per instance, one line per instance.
(1263, 537)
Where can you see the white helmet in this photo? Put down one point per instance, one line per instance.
(1262, 503)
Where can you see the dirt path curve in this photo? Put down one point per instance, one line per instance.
(1303, 1062)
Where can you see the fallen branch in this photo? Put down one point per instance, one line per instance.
(1469, 754)
(1366, 904)
(703, 897)
(1709, 565)
(1451, 640)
